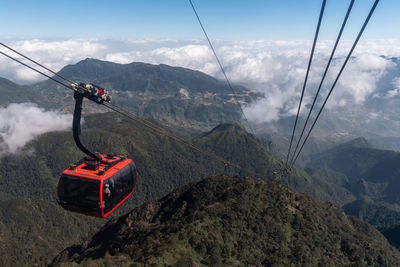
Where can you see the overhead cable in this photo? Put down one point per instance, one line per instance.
(37, 63)
(323, 77)
(38, 71)
(338, 76)
(221, 67)
(306, 78)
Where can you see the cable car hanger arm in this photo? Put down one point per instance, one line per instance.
(76, 126)
(94, 93)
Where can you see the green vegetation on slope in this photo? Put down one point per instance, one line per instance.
(163, 165)
(370, 175)
(13, 93)
(33, 231)
(222, 221)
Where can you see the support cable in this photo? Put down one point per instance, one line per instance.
(221, 67)
(306, 78)
(37, 63)
(38, 71)
(323, 78)
(338, 76)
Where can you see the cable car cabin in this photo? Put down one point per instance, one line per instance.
(97, 188)
(99, 183)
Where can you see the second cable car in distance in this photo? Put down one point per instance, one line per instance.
(98, 184)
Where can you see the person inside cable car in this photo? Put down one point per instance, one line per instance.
(106, 195)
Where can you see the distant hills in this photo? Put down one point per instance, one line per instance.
(371, 175)
(223, 221)
(172, 95)
(13, 93)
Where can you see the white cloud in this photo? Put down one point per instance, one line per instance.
(275, 68)
(53, 54)
(361, 76)
(21, 123)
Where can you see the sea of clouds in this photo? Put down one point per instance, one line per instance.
(274, 68)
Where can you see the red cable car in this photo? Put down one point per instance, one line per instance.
(98, 184)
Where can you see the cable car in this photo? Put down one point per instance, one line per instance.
(97, 188)
(98, 184)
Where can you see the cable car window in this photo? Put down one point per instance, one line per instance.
(89, 193)
(127, 178)
(69, 189)
(81, 192)
(118, 190)
(122, 183)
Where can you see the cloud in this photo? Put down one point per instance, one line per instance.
(274, 68)
(361, 76)
(53, 54)
(21, 123)
(198, 57)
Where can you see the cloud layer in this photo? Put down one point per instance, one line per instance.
(21, 123)
(275, 68)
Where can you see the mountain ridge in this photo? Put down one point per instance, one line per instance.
(370, 174)
(172, 95)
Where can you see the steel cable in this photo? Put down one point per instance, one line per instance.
(221, 67)
(306, 78)
(338, 76)
(323, 77)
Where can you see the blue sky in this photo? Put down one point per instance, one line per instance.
(174, 19)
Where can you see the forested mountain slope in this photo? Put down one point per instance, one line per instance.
(28, 179)
(222, 221)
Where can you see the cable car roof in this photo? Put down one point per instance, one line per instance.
(104, 169)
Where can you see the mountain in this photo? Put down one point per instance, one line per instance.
(393, 235)
(193, 101)
(369, 174)
(224, 221)
(235, 143)
(172, 95)
(372, 172)
(374, 212)
(13, 93)
(175, 96)
(30, 176)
